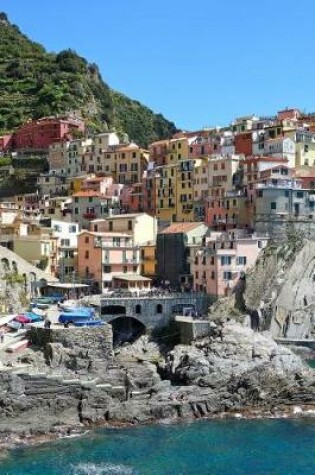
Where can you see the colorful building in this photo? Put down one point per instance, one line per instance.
(218, 263)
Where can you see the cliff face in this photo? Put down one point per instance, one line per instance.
(35, 83)
(282, 288)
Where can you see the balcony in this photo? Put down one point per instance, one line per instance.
(89, 216)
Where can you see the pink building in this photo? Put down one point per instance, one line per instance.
(218, 264)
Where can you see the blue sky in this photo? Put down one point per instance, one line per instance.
(198, 62)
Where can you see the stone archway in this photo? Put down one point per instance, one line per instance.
(126, 329)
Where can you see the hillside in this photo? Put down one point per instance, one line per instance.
(35, 83)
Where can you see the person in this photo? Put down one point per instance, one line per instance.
(129, 385)
(1, 336)
(66, 325)
(47, 323)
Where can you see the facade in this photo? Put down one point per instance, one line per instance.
(67, 248)
(41, 133)
(174, 253)
(219, 263)
(112, 247)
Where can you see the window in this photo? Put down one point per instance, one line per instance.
(72, 229)
(87, 254)
(212, 260)
(76, 210)
(76, 200)
(116, 241)
(306, 149)
(90, 199)
(159, 308)
(299, 194)
(138, 309)
(65, 242)
(227, 275)
(226, 260)
(197, 275)
(241, 260)
(87, 240)
(125, 269)
(110, 225)
(107, 269)
(260, 244)
(212, 275)
(129, 225)
(273, 205)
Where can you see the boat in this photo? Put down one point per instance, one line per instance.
(89, 323)
(34, 317)
(72, 317)
(6, 319)
(22, 319)
(18, 346)
(14, 325)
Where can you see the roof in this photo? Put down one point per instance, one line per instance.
(105, 233)
(181, 227)
(128, 215)
(132, 277)
(87, 194)
(262, 158)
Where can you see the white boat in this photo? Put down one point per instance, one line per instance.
(6, 319)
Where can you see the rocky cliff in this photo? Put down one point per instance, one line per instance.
(280, 288)
(71, 378)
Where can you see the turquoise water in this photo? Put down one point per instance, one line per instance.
(274, 447)
(312, 363)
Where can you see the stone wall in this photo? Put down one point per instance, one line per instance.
(83, 350)
(154, 311)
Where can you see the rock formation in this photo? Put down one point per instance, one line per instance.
(74, 379)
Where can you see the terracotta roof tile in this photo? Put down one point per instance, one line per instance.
(181, 227)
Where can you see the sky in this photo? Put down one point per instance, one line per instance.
(200, 63)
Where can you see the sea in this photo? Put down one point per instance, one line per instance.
(216, 447)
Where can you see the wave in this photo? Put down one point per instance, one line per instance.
(102, 469)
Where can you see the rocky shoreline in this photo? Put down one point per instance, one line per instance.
(9, 441)
(68, 384)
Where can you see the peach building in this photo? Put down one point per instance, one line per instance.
(218, 264)
(111, 248)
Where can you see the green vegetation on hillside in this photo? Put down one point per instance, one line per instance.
(35, 83)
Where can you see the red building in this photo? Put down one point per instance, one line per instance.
(243, 143)
(5, 142)
(39, 134)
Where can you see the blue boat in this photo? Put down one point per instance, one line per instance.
(73, 317)
(89, 323)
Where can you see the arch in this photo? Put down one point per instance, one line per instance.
(5, 264)
(126, 329)
(138, 309)
(114, 310)
(159, 308)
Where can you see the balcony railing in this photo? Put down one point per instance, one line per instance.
(89, 215)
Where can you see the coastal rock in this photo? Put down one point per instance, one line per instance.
(233, 370)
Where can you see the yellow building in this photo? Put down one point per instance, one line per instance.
(126, 163)
(39, 250)
(174, 195)
(148, 259)
(166, 188)
(305, 154)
